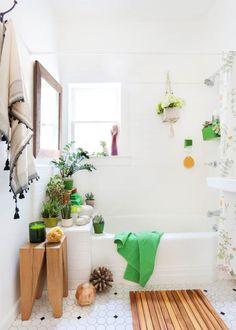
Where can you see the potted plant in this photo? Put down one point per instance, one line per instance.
(98, 224)
(66, 218)
(89, 199)
(169, 107)
(70, 162)
(211, 129)
(50, 212)
(55, 188)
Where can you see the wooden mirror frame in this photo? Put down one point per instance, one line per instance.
(39, 73)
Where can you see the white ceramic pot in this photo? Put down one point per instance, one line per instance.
(86, 210)
(83, 220)
(170, 115)
(67, 222)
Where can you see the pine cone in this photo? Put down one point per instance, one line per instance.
(101, 278)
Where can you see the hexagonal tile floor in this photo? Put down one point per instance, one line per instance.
(111, 310)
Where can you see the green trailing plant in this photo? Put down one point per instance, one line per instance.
(71, 161)
(98, 219)
(66, 211)
(51, 209)
(55, 188)
(89, 196)
(169, 101)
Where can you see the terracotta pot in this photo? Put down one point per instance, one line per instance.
(66, 197)
(90, 202)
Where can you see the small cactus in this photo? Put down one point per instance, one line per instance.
(66, 211)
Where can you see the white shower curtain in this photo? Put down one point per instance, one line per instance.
(227, 223)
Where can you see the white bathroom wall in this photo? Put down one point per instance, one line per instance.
(33, 36)
(149, 178)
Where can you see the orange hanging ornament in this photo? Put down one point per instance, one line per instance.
(189, 162)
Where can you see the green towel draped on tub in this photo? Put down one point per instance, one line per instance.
(139, 250)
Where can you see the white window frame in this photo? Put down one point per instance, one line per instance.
(72, 123)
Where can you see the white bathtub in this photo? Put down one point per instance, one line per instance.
(186, 254)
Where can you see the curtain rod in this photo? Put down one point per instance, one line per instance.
(7, 11)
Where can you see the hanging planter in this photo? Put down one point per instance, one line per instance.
(211, 129)
(169, 106)
(170, 115)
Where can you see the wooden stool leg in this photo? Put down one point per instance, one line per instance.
(32, 260)
(55, 279)
(65, 268)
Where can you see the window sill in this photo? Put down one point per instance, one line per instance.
(102, 161)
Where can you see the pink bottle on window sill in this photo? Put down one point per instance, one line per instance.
(114, 133)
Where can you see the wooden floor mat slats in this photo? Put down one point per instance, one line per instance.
(173, 310)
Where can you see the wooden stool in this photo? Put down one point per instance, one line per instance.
(34, 260)
(32, 274)
(57, 275)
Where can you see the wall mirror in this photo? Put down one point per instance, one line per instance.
(47, 113)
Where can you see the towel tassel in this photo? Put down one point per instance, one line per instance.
(21, 196)
(7, 167)
(16, 215)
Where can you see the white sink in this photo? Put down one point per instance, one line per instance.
(225, 184)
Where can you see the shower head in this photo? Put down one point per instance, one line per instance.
(209, 81)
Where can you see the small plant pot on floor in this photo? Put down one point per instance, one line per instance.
(67, 222)
(98, 228)
(50, 222)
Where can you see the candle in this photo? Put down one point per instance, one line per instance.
(37, 232)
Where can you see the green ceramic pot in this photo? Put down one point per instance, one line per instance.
(98, 228)
(68, 183)
(209, 134)
(50, 222)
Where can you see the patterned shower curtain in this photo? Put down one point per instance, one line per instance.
(227, 223)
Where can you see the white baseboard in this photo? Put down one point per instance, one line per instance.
(10, 317)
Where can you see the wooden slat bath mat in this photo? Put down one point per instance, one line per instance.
(173, 310)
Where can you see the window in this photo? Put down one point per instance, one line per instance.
(95, 108)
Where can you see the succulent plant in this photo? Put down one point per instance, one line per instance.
(66, 211)
(89, 196)
(98, 219)
(51, 209)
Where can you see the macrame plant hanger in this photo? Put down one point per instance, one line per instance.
(168, 92)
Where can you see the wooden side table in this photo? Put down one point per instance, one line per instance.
(57, 275)
(32, 274)
(35, 261)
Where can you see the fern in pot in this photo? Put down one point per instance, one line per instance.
(70, 162)
(66, 218)
(98, 224)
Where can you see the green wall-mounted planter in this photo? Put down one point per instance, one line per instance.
(208, 133)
